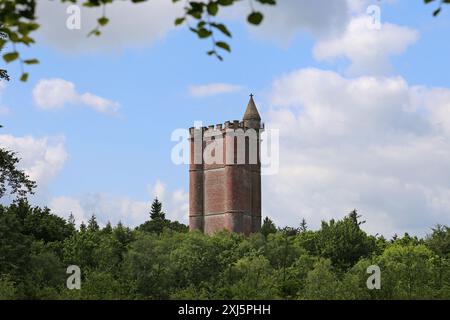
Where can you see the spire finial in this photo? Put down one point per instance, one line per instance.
(252, 112)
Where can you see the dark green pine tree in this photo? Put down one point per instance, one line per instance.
(82, 227)
(108, 228)
(92, 224)
(72, 223)
(354, 217)
(268, 227)
(303, 226)
(156, 212)
(71, 220)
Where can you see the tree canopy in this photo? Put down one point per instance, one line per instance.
(118, 262)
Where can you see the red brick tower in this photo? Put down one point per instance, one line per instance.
(225, 175)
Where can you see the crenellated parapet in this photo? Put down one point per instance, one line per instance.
(223, 128)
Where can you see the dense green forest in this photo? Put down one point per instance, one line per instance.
(161, 260)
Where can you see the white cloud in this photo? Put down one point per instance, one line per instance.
(99, 104)
(374, 144)
(212, 89)
(437, 102)
(367, 49)
(130, 25)
(321, 18)
(141, 24)
(105, 207)
(113, 208)
(41, 158)
(52, 94)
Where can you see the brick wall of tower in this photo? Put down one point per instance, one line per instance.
(225, 195)
(195, 189)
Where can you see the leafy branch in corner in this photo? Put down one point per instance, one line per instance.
(18, 21)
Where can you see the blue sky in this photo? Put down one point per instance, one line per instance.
(113, 165)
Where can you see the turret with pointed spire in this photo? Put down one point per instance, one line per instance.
(225, 191)
(252, 119)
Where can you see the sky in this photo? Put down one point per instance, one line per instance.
(363, 112)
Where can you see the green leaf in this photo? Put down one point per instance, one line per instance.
(269, 2)
(223, 45)
(11, 56)
(222, 28)
(94, 32)
(103, 21)
(27, 40)
(225, 2)
(91, 4)
(31, 61)
(179, 21)
(24, 77)
(213, 8)
(32, 26)
(13, 37)
(255, 18)
(203, 33)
